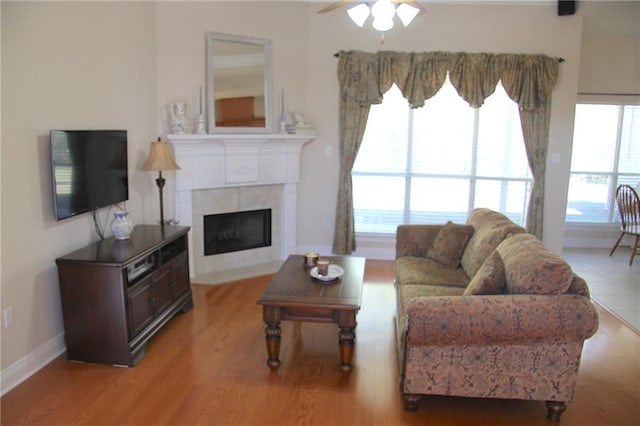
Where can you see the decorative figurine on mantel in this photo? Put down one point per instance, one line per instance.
(302, 124)
(179, 122)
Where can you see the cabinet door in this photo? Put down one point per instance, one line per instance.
(162, 281)
(180, 267)
(139, 306)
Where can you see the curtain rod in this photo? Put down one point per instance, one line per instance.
(337, 55)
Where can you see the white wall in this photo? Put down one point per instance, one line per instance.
(64, 66)
(610, 62)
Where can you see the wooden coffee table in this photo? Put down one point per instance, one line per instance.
(296, 296)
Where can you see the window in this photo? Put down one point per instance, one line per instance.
(439, 162)
(606, 153)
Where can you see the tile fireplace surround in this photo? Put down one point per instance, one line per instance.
(225, 173)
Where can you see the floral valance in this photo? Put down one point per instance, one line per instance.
(528, 79)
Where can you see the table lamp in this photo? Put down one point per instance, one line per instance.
(160, 158)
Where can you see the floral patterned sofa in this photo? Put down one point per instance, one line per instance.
(485, 310)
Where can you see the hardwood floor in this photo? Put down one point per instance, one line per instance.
(208, 367)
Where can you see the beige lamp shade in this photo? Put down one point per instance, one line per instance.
(160, 158)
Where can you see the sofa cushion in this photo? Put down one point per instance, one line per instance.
(415, 239)
(531, 268)
(406, 293)
(482, 216)
(490, 277)
(485, 239)
(449, 244)
(421, 270)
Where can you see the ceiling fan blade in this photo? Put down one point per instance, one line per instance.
(334, 6)
(413, 3)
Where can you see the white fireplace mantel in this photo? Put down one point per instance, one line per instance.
(229, 160)
(213, 161)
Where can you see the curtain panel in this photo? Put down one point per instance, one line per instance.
(364, 78)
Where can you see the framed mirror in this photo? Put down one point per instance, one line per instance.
(238, 84)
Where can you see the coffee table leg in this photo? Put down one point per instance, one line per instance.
(272, 332)
(346, 338)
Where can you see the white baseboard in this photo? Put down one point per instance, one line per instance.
(376, 253)
(588, 243)
(371, 246)
(29, 364)
(592, 235)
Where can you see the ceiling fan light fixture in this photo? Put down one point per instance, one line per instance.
(359, 14)
(406, 13)
(383, 10)
(382, 25)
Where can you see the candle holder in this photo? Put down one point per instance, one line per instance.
(200, 127)
(282, 114)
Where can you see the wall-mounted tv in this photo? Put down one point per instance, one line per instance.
(89, 170)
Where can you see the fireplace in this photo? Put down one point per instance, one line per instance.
(222, 173)
(236, 231)
(223, 203)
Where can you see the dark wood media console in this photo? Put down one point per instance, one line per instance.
(116, 295)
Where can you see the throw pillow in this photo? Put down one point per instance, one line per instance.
(531, 268)
(449, 244)
(484, 241)
(490, 277)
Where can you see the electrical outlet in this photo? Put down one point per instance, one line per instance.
(8, 317)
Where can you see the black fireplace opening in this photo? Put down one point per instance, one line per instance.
(229, 232)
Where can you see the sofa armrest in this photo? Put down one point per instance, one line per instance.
(415, 240)
(500, 319)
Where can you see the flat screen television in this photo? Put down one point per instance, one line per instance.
(89, 170)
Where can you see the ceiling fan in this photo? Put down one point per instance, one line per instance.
(382, 11)
(339, 4)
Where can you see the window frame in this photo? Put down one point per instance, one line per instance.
(472, 177)
(612, 176)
